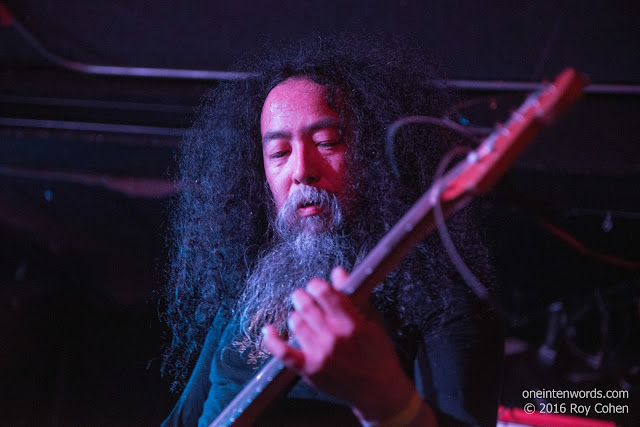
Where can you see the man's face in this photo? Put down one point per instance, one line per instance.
(301, 143)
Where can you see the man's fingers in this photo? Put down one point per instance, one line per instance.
(291, 357)
(307, 308)
(339, 278)
(337, 309)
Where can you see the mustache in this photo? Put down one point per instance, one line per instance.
(305, 195)
(288, 222)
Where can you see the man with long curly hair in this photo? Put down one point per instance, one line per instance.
(285, 176)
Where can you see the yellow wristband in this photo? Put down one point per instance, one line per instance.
(400, 419)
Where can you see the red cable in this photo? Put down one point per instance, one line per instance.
(582, 248)
(5, 16)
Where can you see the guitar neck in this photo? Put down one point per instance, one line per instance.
(245, 408)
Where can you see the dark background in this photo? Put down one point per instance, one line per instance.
(86, 163)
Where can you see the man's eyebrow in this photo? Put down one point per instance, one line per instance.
(329, 122)
(276, 134)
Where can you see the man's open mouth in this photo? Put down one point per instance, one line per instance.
(307, 204)
(309, 209)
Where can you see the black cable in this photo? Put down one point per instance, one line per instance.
(470, 279)
(445, 123)
(465, 272)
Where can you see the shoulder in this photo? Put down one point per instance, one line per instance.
(189, 407)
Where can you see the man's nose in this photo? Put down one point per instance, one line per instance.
(306, 168)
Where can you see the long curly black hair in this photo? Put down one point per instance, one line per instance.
(220, 216)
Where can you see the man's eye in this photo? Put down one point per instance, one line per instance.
(329, 144)
(279, 154)
(327, 137)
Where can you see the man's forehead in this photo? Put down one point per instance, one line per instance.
(296, 102)
(292, 90)
(326, 123)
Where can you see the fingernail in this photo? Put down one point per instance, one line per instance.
(295, 301)
(316, 286)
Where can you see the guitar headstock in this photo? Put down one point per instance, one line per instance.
(486, 164)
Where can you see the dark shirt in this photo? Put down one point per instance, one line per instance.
(456, 369)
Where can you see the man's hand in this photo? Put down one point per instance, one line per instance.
(342, 352)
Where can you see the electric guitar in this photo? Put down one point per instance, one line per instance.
(476, 174)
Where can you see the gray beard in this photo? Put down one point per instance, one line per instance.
(302, 248)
